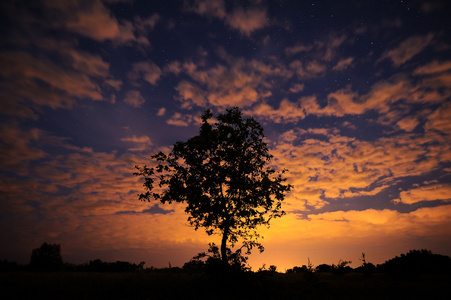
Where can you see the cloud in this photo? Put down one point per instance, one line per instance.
(146, 70)
(143, 142)
(433, 68)
(177, 119)
(408, 123)
(407, 49)
(306, 70)
(25, 74)
(384, 97)
(55, 74)
(343, 64)
(161, 112)
(292, 50)
(205, 7)
(440, 119)
(297, 87)
(154, 209)
(426, 193)
(190, 94)
(324, 49)
(18, 148)
(134, 99)
(237, 82)
(94, 20)
(148, 24)
(287, 112)
(325, 165)
(246, 21)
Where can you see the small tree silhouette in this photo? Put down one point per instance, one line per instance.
(211, 261)
(46, 258)
(366, 267)
(222, 174)
(341, 267)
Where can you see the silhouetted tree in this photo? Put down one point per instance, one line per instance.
(342, 267)
(98, 265)
(6, 265)
(417, 262)
(222, 174)
(46, 258)
(211, 261)
(324, 268)
(366, 267)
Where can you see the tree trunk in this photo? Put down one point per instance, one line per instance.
(224, 257)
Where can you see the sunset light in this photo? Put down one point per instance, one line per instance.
(354, 98)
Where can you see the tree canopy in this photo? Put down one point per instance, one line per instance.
(224, 177)
(46, 258)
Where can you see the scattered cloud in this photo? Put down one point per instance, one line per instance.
(148, 71)
(305, 70)
(142, 143)
(287, 112)
(177, 119)
(297, 87)
(134, 99)
(238, 82)
(246, 21)
(407, 49)
(343, 64)
(161, 112)
(408, 123)
(94, 20)
(433, 68)
(440, 119)
(426, 193)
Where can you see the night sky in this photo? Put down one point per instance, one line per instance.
(354, 97)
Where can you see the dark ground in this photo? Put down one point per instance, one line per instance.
(184, 285)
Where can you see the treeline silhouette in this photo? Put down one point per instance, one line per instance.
(48, 258)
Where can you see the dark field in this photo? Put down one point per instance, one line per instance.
(184, 285)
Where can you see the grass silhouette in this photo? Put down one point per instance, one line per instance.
(418, 274)
(167, 284)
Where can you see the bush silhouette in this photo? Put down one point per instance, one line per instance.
(417, 262)
(46, 258)
(211, 261)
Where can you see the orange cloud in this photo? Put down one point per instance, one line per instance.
(407, 49)
(17, 148)
(440, 119)
(239, 82)
(335, 166)
(94, 20)
(149, 71)
(287, 112)
(246, 21)
(324, 49)
(297, 87)
(134, 99)
(177, 119)
(143, 142)
(433, 67)
(27, 68)
(343, 64)
(426, 193)
(190, 94)
(310, 69)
